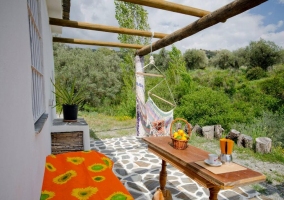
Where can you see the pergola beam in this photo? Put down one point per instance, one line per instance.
(169, 6)
(222, 14)
(96, 43)
(98, 27)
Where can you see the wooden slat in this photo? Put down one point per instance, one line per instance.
(98, 27)
(36, 71)
(66, 142)
(222, 14)
(33, 21)
(162, 99)
(96, 43)
(169, 6)
(148, 74)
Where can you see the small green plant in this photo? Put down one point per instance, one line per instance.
(255, 73)
(93, 134)
(68, 95)
(259, 188)
(269, 178)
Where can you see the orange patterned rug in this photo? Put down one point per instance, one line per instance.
(83, 175)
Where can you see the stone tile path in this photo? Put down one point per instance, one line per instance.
(139, 171)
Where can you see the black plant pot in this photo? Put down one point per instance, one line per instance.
(70, 113)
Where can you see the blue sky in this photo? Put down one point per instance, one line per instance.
(265, 21)
(272, 10)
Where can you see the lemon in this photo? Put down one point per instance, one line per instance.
(175, 134)
(184, 138)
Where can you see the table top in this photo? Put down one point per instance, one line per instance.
(185, 160)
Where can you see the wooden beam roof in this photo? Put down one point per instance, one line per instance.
(169, 6)
(221, 15)
(98, 27)
(224, 13)
(97, 43)
(66, 4)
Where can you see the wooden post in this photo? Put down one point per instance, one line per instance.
(140, 93)
(208, 132)
(245, 141)
(263, 144)
(218, 130)
(233, 135)
(220, 15)
(197, 129)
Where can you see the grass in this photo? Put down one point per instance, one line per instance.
(276, 155)
(103, 126)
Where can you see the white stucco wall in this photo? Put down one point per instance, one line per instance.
(22, 152)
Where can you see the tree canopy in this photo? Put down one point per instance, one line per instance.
(263, 54)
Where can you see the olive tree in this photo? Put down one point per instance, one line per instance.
(263, 54)
(241, 56)
(162, 59)
(224, 59)
(195, 59)
(98, 71)
(131, 16)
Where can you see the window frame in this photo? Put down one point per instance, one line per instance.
(36, 50)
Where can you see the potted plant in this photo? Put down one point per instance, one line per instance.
(68, 99)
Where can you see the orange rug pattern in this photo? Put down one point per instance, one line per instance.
(83, 175)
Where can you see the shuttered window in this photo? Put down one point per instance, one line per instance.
(38, 107)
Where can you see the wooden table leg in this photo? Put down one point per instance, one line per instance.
(163, 176)
(214, 193)
(163, 180)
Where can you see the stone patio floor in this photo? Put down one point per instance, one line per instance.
(139, 171)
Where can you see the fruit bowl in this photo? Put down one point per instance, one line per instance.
(180, 137)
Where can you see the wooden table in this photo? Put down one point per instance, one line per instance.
(184, 160)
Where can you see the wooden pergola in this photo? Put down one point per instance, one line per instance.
(206, 19)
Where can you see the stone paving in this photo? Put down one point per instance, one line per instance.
(139, 171)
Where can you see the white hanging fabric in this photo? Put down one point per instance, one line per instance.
(149, 116)
(158, 120)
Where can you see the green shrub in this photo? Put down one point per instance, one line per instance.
(205, 107)
(217, 82)
(89, 108)
(255, 73)
(230, 86)
(256, 100)
(274, 86)
(127, 107)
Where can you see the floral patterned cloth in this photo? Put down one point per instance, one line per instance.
(83, 175)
